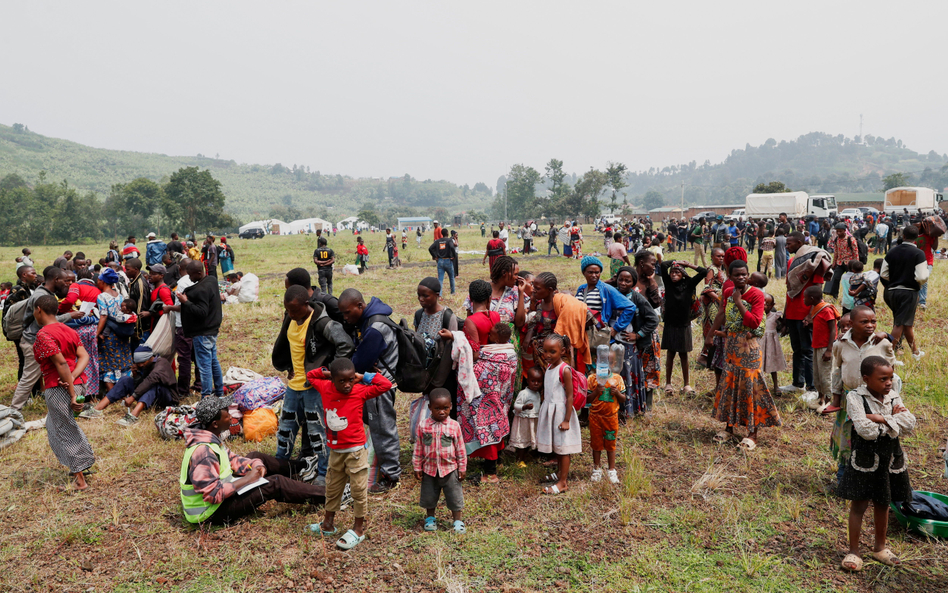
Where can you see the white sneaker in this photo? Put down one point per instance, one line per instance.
(613, 476)
(596, 475)
(918, 356)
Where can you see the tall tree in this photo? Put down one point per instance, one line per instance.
(584, 199)
(559, 188)
(895, 180)
(652, 200)
(616, 174)
(521, 192)
(774, 187)
(194, 200)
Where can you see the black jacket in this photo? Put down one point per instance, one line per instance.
(330, 302)
(326, 341)
(201, 315)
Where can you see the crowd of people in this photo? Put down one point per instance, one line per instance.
(523, 369)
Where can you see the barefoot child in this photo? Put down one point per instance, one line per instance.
(344, 395)
(604, 420)
(440, 461)
(823, 317)
(679, 299)
(63, 361)
(774, 361)
(557, 425)
(879, 418)
(523, 433)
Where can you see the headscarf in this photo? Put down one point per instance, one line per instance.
(109, 276)
(431, 284)
(589, 261)
(733, 254)
(142, 354)
(209, 409)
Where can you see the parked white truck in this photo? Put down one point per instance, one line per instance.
(913, 199)
(795, 204)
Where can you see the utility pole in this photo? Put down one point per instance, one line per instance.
(682, 199)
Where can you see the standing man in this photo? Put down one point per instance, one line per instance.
(175, 246)
(551, 241)
(201, 320)
(390, 246)
(443, 252)
(376, 348)
(928, 244)
(504, 236)
(324, 258)
(882, 235)
(155, 249)
(904, 273)
(483, 230)
(804, 270)
(183, 345)
(697, 238)
(209, 252)
(418, 236)
(844, 251)
(140, 292)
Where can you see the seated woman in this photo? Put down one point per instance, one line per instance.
(209, 490)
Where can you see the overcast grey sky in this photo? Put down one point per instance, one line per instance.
(460, 91)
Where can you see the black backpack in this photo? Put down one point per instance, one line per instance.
(411, 376)
(720, 234)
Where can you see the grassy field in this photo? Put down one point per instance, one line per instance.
(689, 515)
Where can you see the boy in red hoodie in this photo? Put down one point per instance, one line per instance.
(344, 395)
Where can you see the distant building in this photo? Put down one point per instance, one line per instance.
(412, 222)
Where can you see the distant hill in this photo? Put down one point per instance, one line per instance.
(253, 191)
(816, 163)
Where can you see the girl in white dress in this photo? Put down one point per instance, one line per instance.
(774, 360)
(557, 425)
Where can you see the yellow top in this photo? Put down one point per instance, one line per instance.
(296, 334)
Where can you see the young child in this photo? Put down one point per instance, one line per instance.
(676, 336)
(604, 420)
(846, 299)
(5, 289)
(128, 308)
(558, 425)
(523, 433)
(774, 361)
(823, 318)
(879, 418)
(845, 324)
(864, 287)
(344, 395)
(362, 254)
(758, 280)
(404, 239)
(440, 461)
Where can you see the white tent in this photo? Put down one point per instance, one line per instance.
(346, 223)
(266, 225)
(306, 225)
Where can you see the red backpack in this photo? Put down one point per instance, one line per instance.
(580, 387)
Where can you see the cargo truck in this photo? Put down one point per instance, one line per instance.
(922, 200)
(795, 204)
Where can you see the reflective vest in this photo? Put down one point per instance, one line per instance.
(196, 509)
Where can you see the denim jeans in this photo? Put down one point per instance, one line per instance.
(445, 266)
(550, 247)
(205, 352)
(303, 408)
(923, 293)
(800, 342)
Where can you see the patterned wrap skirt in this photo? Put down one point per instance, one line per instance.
(742, 398)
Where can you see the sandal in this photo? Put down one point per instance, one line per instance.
(318, 528)
(852, 563)
(553, 490)
(830, 410)
(747, 444)
(689, 391)
(722, 437)
(669, 389)
(886, 557)
(459, 526)
(550, 478)
(431, 524)
(349, 540)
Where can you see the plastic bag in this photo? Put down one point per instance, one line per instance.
(259, 424)
(161, 340)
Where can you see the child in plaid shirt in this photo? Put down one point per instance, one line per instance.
(440, 461)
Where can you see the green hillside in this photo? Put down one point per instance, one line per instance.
(253, 191)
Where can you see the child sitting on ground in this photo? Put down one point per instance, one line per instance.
(606, 398)
(523, 433)
(863, 287)
(440, 461)
(879, 418)
(344, 394)
(774, 361)
(558, 425)
(822, 317)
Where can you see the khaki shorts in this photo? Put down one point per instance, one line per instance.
(352, 467)
(822, 373)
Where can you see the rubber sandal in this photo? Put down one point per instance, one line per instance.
(550, 478)
(431, 524)
(459, 526)
(854, 562)
(553, 490)
(747, 444)
(490, 479)
(689, 391)
(349, 540)
(886, 557)
(722, 437)
(830, 410)
(318, 528)
(669, 389)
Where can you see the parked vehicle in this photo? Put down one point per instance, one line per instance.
(707, 215)
(253, 233)
(914, 199)
(737, 215)
(796, 204)
(851, 213)
(866, 210)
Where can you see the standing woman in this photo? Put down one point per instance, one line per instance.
(506, 298)
(457, 263)
(635, 338)
(618, 255)
(226, 257)
(742, 397)
(62, 359)
(115, 355)
(558, 313)
(649, 353)
(610, 308)
(429, 321)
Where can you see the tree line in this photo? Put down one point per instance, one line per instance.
(47, 212)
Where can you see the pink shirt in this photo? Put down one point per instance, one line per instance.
(617, 250)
